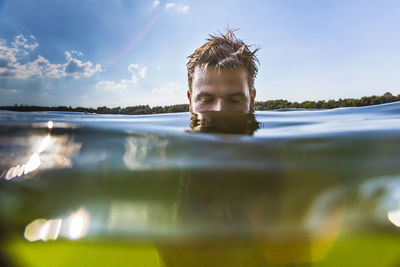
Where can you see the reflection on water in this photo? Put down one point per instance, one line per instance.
(140, 148)
(78, 224)
(74, 227)
(42, 229)
(46, 153)
(228, 122)
(394, 217)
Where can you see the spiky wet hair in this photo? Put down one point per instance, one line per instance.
(224, 51)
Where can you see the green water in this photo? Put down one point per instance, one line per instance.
(308, 188)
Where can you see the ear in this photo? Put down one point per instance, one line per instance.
(189, 96)
(253, 94)
(252, 97)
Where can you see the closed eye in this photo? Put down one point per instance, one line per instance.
(205, 98)
(236, 98)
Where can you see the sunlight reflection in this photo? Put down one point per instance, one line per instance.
(42, 229)
(45, 143)
(47, 152)
(139, 151)
(76, 226)
(394, 217)
(33, 163)
(15, 172)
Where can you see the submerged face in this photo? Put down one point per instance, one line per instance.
(223, 122)
(220, 90)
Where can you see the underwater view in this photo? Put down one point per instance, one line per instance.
(291, 187)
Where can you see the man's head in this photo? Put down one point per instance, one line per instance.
(221, 75)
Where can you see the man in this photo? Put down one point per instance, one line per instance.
(221, 75)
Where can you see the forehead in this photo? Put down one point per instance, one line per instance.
(212, 76)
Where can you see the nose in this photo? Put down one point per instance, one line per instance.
(219, 105)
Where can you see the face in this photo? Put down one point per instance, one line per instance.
(220, 90)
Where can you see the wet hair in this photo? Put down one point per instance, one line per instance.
(224, 51)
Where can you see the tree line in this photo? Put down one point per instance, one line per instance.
(133, 110)
(322, 104)
(258, 105)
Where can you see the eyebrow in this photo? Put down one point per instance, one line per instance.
(204, 94)
(236, 94)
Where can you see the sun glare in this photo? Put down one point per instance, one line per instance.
(78, 224)
(394, 217)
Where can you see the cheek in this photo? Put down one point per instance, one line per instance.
(246, 102)
(198, 106)
(243, 106)
(246, 107)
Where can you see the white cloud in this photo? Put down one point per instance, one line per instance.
(184, 9)
(77, 68)
(138, 73)
(111, 86)
(23, 46)
(78, 53)
(12, 67)
(169, 5)
(177, 7)
(7, 55)
(155, 4)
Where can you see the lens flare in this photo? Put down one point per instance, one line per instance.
(394, 217)
(42, 229)
(78, 224)
(76, 227)
(33, 163)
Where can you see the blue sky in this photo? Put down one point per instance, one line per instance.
(124, 52)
